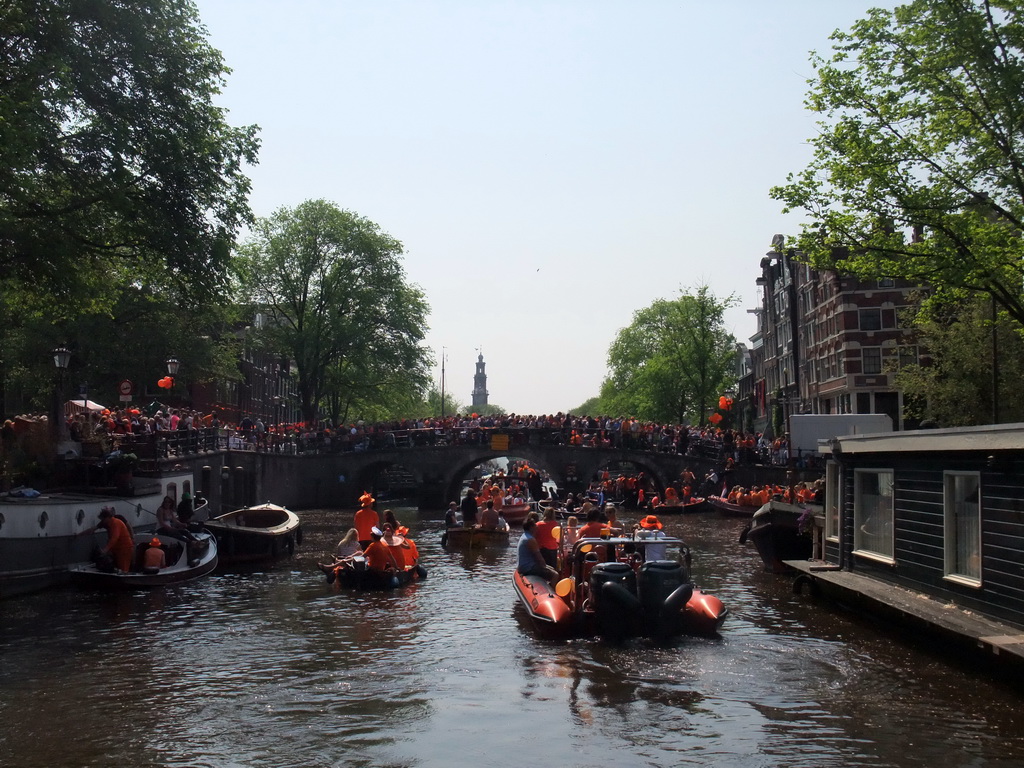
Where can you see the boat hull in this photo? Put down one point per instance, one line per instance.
(775, 531)
(257, 534)
(515, 514)
(355, 577)
(180, 567)
(724, 507)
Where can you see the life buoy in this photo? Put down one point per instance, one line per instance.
(805, 584)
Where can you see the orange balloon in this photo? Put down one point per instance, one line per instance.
(564, 588)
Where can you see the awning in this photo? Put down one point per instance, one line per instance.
(73, 407)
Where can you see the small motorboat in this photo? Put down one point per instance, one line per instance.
(261, 533)
(474, 538)
(610, 589)
(355, 574)
(695, 504)
(185, 561)
(780, 532)
(726, 507)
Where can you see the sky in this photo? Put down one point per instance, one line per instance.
(551, 167)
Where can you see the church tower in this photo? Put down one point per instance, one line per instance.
(480, 382)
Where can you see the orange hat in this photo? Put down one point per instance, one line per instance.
(651, 521)
(155, 542)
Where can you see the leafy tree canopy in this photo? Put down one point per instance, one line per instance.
(917, 169)
(673, 362)
(111, 149)
(336, 302)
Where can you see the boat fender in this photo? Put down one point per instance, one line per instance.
(805, 584)
(421, 571)
(298, 535)
(677, 601)
(394, 582)
(290, 545)
(744, 533)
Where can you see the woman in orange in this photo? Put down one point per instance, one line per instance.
(365, 520)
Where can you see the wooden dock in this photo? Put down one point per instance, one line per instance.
(959, 630)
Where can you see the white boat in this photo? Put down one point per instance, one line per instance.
(42, 536)
(184, 563)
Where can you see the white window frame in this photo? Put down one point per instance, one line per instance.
(874, 525)
(955, 520)
(833, 499)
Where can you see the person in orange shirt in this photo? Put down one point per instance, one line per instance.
(377, 553)
(365, 520)
(119, 544)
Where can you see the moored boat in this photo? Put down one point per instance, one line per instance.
(185, 561)
(610, 590)
(474, 538)
(41, 534)
(780, 532)
(260, 533)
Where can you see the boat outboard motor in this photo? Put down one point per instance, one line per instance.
(613, 594)
(664, 588)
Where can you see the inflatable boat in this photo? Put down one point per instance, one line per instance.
(609, 588)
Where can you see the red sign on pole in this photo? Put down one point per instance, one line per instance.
(125, 389)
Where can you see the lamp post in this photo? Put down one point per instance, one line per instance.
(172, 366)
(61, 359)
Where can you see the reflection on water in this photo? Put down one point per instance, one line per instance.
(278, 668)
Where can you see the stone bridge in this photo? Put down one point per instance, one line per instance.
(235, 478)
(440, 472)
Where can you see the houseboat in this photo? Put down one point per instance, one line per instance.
(926, 527)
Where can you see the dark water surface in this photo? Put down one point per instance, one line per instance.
(277, 668)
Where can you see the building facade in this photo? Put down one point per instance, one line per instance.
(826, 343)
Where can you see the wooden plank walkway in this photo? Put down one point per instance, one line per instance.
(960, 630)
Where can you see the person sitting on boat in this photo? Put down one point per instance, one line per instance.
(502, 523)
(154, 558)
(489, 517)
(544, 533)
(167, 522)
(611, 520)
(346, 550)
(594, 526)
(451, 517)
(649, 529)
(377, 553)
(530, 560)
(119, 546)
(366, 519)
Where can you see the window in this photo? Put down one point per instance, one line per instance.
(871, 319)
(908, 356)
(833, 497)
(962, 530)
(886, 282)
(871, 358)
(873, 512)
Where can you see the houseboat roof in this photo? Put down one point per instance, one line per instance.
(988, 437)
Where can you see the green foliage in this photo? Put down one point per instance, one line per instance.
(334, 292)
(916, 169)
(674, 360)
(112, 151)
(956, 388)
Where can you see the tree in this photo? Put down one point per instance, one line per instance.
(111, 148)
(673, 362)
(334, 293)
(955, 388)
(917, 167)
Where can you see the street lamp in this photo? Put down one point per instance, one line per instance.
(61, 359)
(172, 366)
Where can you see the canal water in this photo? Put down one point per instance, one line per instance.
(277, 668)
